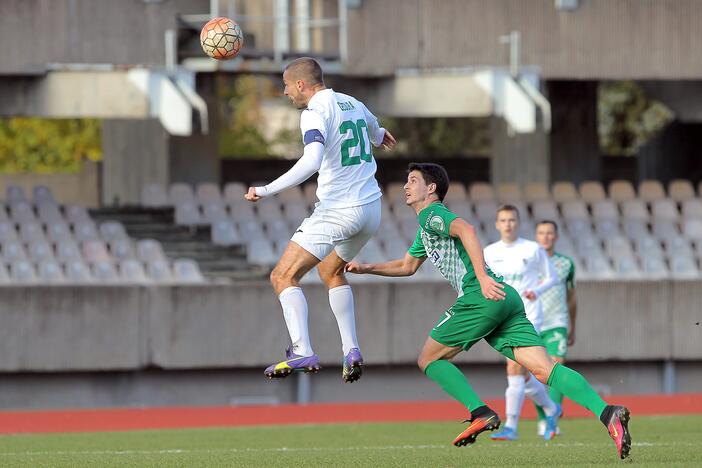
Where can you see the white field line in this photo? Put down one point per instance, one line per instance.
(307, 449)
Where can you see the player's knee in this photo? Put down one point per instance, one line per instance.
(542, 373)
(277, 278)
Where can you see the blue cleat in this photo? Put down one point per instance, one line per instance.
(505, 434)
(352, 366)
(292, 363)
(551, 428)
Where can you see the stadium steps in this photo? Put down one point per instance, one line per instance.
(216, 262)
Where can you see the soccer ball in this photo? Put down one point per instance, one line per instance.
(221, 38)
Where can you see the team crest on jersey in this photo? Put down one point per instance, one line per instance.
(437, 223)
(435, 256)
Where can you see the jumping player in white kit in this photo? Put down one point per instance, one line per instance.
(525, 266)
(338, 132)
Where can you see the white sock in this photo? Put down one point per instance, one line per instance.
(294, 305)
(514, 397)
(341, 302)
(537, 392)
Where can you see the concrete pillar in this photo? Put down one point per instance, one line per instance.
(518, 157)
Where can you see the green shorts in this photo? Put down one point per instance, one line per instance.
(556, 341)
(503, 324)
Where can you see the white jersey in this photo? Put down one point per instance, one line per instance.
(348, 132)
(525, 266)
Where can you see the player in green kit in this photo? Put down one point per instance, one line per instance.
(486, 308)
(559, 307)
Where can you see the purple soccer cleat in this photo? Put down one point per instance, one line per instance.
(352, 366)
(293, 363)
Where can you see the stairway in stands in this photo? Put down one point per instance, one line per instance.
(216, 262)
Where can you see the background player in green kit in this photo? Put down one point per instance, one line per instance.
(485, 308)
(558, 305)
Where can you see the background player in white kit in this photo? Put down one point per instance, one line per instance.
(337, 131)
(525, 266)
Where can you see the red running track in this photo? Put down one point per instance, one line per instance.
(92, 420)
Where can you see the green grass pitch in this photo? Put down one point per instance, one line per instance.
(658, 441)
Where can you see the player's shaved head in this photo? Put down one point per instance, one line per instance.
(306, 69)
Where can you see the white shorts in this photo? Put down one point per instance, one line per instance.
(345, 230)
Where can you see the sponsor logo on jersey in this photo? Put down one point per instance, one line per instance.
(346, 106)
(437, 223)
(435, 256)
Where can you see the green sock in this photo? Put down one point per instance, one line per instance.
(575, 387)
(453, 382)
(556, 396)
(539, 411)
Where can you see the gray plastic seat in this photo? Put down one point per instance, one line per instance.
(207, 192)
(14, 194)
(50, 272)
(21, 271)
(456, 192)
(13, 251)
(31, 232)
(684, 267)
(260, 252)
(234, 191)
(635, 228)
(481, 192)
(153, 195)
(580, 227)
(395, 191)
(4, 274)
(4, 217)
(574, 209)
(589, 246)
(214, 211)
(268, 209)
(635, 209)
(85, 231)
(42, 194)
(58, 231)
(389, 231)
(627, 267)
(592, 191)
(665, 229)
(678, 245)
(462, 208)
(564, 191)
(122, 249)
(509, 192)
(292, 195)
(132, 271)
(545, 209)
(224, 232)
(179, 193)
(485, 211)
(692, 208)
(607, 228)
(78, 272)
(621, 191)
(75, 214)
(648, 245)
(242, 211)
(104, 271)
(605, 209)
(96, 251)
(187, 213)
(598, 267)
(22, 212)
(372, 252)
(67, 251)
(536, 191)
(150, 250)
(665, 210)
(681, 190)
(159, 271)
(41, 251)
(692, 229)
(296, 211)
(651, 190)
(409, 228)
(112, 230)
(8, 232)
(49, 213)
(186, 270)
(655, 267)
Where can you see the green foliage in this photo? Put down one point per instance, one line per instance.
(44, 146)
(439, 136)
(627, 118)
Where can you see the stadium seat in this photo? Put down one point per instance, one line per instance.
(15, 194)
(95, 251)
(655, 267)
(486, 211)
(456, 192)
(310, 191)
(268, 209)
(58, 231)
(598, 267)
(566, 246)
(665, 210)
(13, 251)
(186, 270)
(213, 211)
(651, 190)
(527, 229)
(21, 271)
(607, 228)
(635, 209)
(31, 232)
(395, 191)
(592, 191)
(579, 227)
(40, 251)
(681, 190)
(402, 211)
(462, 208)
(187, 213)
(76, 214)
(208, 192)
(648, 245)
(394, 248)
(545, 209)
(621, 191)
(8, 232)
(104, 271)
(509, 192)
(41, 194)
(605, 209)
(154, 195)
(618, 246)
(50, 272)
(635, 228)
(234, 191)
(122, 249)
(684, 267)
(224, 232)
(179, 193)
(664, 229)
(589, 246)
(132, 271)
(112, 230)
(3, 213)
(159, 271)
(293, 194)
(150, 250)
(277, 229)
(692, 208)
(242, 211)
(67, 251)
(536, 192)
(389, 230)
(627, 267)
(481, 192)
(78, 272)
(409, 229)
(4, 274)
(85, 231)
(692, 229)
(575, 209)
(260, 252)
(564, 192)
(22, 212)
(250, 229)
(295, 211)
(49, 213)
(678, 245)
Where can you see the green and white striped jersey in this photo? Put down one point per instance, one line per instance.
(554, 300)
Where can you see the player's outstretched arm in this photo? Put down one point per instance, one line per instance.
(406, 266)
(490, 288)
